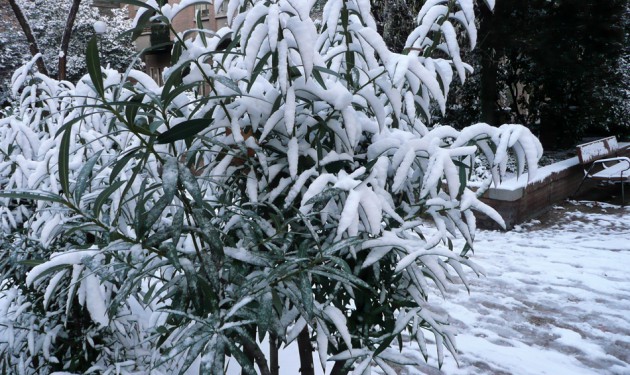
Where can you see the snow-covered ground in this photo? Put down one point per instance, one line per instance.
(555, 299)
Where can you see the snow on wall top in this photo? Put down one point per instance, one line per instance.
(516, 183)
(592, 151)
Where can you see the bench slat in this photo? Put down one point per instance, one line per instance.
(598, 149)
(596, 153)
(613, 173)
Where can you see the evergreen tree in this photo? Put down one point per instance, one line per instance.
(395, 19)
(48, 20)
(565, 56)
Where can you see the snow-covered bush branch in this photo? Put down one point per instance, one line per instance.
(283, 183)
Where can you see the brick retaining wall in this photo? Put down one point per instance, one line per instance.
(517, 201)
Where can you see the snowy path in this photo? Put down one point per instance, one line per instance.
(555, 299)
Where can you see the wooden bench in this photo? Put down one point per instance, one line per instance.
(602, 157)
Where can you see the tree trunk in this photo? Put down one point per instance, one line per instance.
(306, 353)
(488, 92)
(65, 39)
(249, 353)
(253, 351)
(273, 354)
(338, 368)
(26, 28)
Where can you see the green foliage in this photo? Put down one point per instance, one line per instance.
(282, 186)
(560, 67)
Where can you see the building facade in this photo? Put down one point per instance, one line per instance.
(156, 40)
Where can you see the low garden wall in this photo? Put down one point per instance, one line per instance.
(518, 201)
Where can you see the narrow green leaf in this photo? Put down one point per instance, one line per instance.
(183, 130)
(156, 239)
(384, 345)
(51, 271)
(191, 185)
(225, 81)
(321, 69)
(77, 119)
(93, 63)
(276, 104)
(104, 195)
(466, 249)
(463, 181)
(121, 163)
(142, 23)
(87, 227)
(169, 186)
(200, 26)
(262, 63)
(155, 125)
(343, 244)
(32, 194)
(243, 360)
(324, 196)
(140, 210)
(170, 176)
(343, 277)
(275, 62)
(174, 79)
(265, 314)
(84, 175)
(131, 180)
(153, 215)
(31, 262)
(318, 78)
(176, 52)
(193, 351)
(64, 161)
(236, 41)
(168, 98)
(132, 107)
(177, 225)
(306, 292)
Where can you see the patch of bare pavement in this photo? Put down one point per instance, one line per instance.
(555, 298)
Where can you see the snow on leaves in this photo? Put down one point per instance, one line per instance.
(302, 190)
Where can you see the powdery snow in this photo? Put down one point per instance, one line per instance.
(555, 298)
(593, 150)
(520, 182)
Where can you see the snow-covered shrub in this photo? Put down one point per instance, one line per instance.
(48, 21)
(46, 329)
(282, 186)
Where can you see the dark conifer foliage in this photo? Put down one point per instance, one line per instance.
(560, 67)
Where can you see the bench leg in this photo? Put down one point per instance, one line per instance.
(580, 186)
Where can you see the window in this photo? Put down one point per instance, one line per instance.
(221, 12)
(156, 74)
(203, 9)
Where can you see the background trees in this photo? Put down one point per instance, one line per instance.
(557, 66)
(395, 19)
(48, 21)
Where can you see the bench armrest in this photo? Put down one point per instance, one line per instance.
(619, 159)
